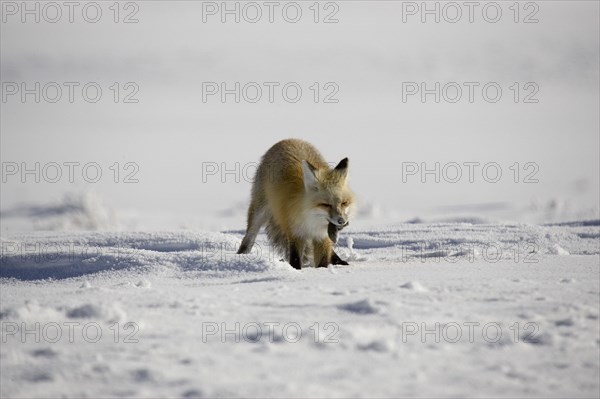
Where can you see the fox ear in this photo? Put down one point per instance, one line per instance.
(342, 168)
(310, 177)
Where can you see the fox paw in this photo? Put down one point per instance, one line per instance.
(336, 260)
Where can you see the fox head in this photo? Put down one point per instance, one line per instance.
(328, 193)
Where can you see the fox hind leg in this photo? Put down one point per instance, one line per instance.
(257, 217)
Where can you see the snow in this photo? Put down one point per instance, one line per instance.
(423, 310)
(129, 286)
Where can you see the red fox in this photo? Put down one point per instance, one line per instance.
(302, 201)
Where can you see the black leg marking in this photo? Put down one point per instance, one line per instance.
(336, 260)
(295, 258)
(243, 249)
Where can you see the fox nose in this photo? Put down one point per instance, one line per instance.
(341, 221)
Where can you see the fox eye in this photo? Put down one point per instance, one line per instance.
(345, 203)
(324, 205)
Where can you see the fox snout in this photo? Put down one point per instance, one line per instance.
(339, 221)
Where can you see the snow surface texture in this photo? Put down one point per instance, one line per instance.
(423, 310)
(175, 160)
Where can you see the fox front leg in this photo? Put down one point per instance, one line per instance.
(324, 254)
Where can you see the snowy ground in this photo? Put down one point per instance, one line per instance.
(121, 216)
(423, 310)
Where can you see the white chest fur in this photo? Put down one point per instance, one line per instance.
(312, 225)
